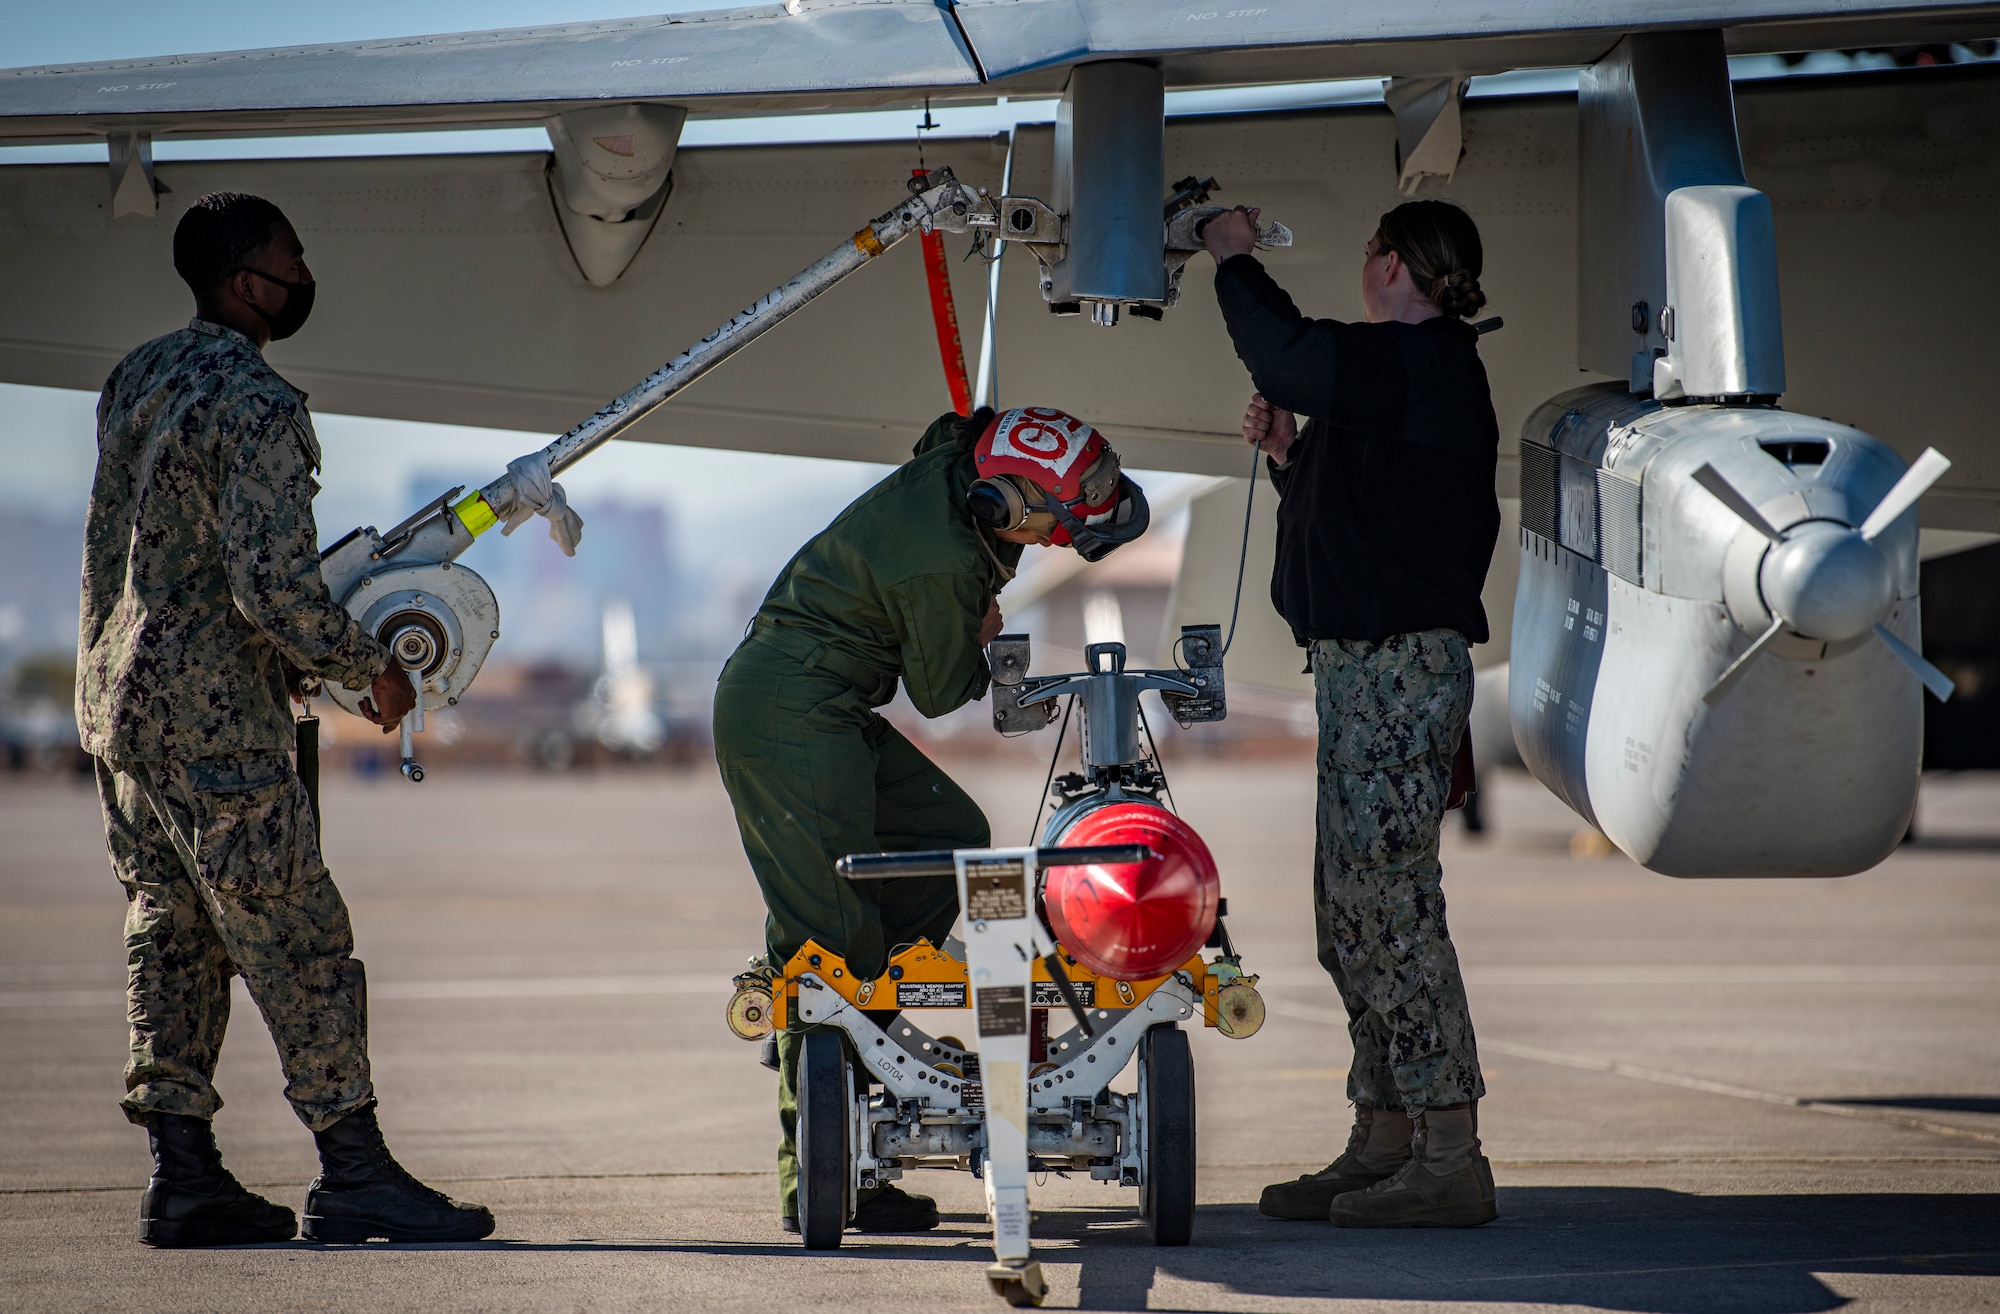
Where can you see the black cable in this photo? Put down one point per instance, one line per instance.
(1243, 557)
(1053, 758)
(1068, 992)
(1158, 762)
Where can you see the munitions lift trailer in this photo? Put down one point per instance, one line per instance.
(1023, 1101)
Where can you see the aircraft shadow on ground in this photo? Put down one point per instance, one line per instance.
(1614, 1248)
(1955, 843)
(1930, 1103)
(1632, 1249)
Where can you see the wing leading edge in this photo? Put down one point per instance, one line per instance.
(833, 54)
(762, 57)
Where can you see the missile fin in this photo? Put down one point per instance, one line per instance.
(1916, 481)
(1725, 492)
(1936, 681)
(1727, 680)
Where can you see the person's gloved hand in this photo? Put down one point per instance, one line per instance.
(390, 698)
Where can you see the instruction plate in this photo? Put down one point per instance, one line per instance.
(995, 892)
(1003, 1011)
(1048, 996)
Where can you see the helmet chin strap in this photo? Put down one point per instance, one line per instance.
(1129, 517)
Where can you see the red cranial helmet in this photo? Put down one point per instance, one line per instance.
(1061, 455)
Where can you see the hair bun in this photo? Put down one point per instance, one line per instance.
(1458, 294)
(968, 429)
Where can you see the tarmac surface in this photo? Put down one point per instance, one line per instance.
(1705, 1096)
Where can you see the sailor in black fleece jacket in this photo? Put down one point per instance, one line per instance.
(1386, 525)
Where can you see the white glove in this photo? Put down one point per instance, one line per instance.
(532, 492)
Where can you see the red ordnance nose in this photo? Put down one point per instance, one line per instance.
(1132, 921)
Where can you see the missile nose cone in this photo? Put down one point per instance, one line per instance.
(1827, 582)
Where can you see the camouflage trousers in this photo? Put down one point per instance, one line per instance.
(1390, 716)
(221, 867)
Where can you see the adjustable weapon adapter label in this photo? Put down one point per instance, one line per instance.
(1002, 1011)
(995, 892)
(930, 994)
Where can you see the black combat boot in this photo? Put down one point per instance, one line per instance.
(889, 1209)
(362, 1193)
(193, 1200)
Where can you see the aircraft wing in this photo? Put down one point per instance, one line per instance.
(759, 58)
(828, 54)
(1253, 41)
(448, 293)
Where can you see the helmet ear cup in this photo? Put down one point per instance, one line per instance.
(1100, 481)
(997, 503)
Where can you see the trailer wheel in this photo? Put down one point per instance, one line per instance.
(1166, 1076)
(824, 1153)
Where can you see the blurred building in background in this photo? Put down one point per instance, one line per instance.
(610, 657)
(41, 564)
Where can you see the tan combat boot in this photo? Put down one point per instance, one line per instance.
(1376, 1148)
(1447, 1182)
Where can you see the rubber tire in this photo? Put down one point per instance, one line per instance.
(1167, 1201)
(822, 1140)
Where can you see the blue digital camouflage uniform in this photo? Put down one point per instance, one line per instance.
(201, 593)
(1390, 715)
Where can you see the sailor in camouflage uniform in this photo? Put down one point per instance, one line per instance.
(202, 607)
(1386, 525)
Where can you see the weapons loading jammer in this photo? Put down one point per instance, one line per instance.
(1136, 896)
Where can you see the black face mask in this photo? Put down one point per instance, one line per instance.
(292, 316)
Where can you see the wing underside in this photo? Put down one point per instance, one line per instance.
(448, 293)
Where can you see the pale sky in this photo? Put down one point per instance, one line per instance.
(47, 442)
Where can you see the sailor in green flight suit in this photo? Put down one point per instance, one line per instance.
(902, 585)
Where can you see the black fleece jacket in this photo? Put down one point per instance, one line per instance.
(1386, 511)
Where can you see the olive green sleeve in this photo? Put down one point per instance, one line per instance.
(936, 619)
(270, 552)
(944, 429)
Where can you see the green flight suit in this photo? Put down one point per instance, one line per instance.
(895, 588)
